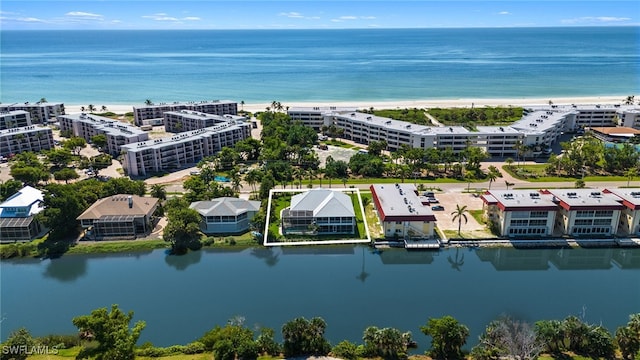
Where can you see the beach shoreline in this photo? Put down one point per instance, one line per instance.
(393, 104)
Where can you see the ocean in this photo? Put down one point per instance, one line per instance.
(261, 66)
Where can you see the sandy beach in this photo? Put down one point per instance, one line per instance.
(445, 103)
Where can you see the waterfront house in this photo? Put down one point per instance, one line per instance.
(520, 213)
(119, 217)
(319, 211)
(403, 213)
(586, 212)
(225, 215)
(17, 215)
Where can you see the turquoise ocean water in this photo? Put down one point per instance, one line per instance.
(122, 67)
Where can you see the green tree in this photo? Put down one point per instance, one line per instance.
(18, 345)
(387, 343)
(99, 140)
(459, 214)
(631, 173)
(345, 350)
(91, 108)
(628, 338)
(266, 342)
(158, 191)
(183, 228)
(580, 184)
(66, 174)
(63, 204)
(9, 188)
(448, 337)
(75, 144)
(550, 333)
(305, 337)
(124, 185)
(110, 329)
(59, 158)
(375, 147)
(148, 102)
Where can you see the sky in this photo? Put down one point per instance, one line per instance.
(310, 14)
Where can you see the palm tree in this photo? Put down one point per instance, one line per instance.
(507, 183)
(492, 177)
(252, 178)
(82, 108)
(148, 102)
(460, 214)
(158, 191)
(629, 100)
(91, 108)
(44, 100)
(104, 108)
(298, 173)
(630, 174)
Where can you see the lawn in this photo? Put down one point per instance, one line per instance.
(117, 246)
(536, 173)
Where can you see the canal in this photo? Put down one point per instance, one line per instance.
(350, 287)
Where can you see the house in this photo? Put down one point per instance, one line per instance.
(403, 213)
(119, 217)
(586, 212)
(319, 211)
(17, 215)
(520, 213)
(630, 216)
(225, 215)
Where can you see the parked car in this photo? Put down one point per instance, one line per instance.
(433, 201)
(437, 208)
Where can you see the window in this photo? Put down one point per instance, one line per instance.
(538, 214)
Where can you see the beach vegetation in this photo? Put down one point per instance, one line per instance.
(484, 116)
(448, 337)
(411, 115)
(302, 337)
(386, 343)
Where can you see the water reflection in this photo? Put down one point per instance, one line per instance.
(66, 269)
(581, 259)
(401, 256)
(267, 254)
(626, 258)
(505, 259)
(457, 261)
(318, 250)
(363, 274)
(181, 262)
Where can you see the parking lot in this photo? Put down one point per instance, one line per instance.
(449, 201)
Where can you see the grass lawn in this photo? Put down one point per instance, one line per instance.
(474, 234)
(341, 144)
(477, 214)
(117, 246)
(375, 230)
(536, 173)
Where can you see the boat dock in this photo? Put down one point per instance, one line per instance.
(426, 244)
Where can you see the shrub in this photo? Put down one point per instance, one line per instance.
(345, 350)
(195, 347)
(59, 341)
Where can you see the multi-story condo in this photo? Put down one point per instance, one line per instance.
(14, 119)
(41, 113)
(538, 129)
(586, 212)
(520, 213)
(630, 217)
(17, 215)
(187, 120)
(182, 149)
(153, 114)
(117, 133)
(26, 138)
(403, 213)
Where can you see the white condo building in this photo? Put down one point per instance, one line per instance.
(153, 114)
(117, 132)
(26, 138)
(14, 119)
(41, 113)
(187, 120)
(182, 149)
(538, 129)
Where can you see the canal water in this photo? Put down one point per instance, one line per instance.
(181, 297)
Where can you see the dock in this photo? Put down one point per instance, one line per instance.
(426, 244)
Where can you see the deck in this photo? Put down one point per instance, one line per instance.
(427, 244)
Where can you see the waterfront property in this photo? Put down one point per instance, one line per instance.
(187, 120)
(26, 138)
(87, 125)
(539, 128)
(182, 149)
(319, 212)
(153, 114)
(403, 213)
(586, 212)
(119, 217)
(630, 216)
(520, 213)
(14, 119)
(17, 215)
(41, 113)
(225, 215)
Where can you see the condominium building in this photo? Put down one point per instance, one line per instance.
(153, 114)
(539, 128)
(630, 216)
(26, 138)
(14, 119)
(118, 133)
(520, 213)
(187, 120)
(403, 213)
(585, 212)
(182, 149)
(41, 113)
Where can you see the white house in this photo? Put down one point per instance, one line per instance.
(225, 215)
(319, 210)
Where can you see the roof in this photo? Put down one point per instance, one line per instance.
(25, 197)
(585, 199)
(401, 202)
(224, 206)
(323, 203)
(630, 197)
(119, 205)
(520, 200)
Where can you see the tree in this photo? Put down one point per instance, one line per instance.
(44, 100)
(99, 140)
(91, 108)
(63, 204)
(629, 100)
(510, 339)
(17, 347)
(550, 333)
(631, 173)
(103, 108)
(305, 337)
(59, 158)
(345, 350)
(158, 191)
(9, 188)
(492, 175)
(580, 184)
(75, 144)
(115, 340)
(509, 162)
(148, 102)
(628, 338)
(448, 337)
(65, 174)
(266, 342)
(460, 214)
(183, 227)
(375, 147)
(507, 184)
(387, 343)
